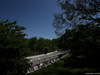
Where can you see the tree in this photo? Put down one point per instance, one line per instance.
(13, 49)
(54, 44)
(65, 40)
(33, 43)
(82, 16)
(41, 44)
(77, 12)
(46, 49)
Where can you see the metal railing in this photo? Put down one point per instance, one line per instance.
(43, 60)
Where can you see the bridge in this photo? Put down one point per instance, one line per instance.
(43, 60)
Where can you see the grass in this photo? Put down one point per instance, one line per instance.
(59, 68)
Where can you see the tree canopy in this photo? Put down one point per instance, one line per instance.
(13, 49)
(80, 19)
(38, 45)
(77, 12)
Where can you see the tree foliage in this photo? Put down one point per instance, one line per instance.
(77, 12)
(13, 49)
(45, 49)
(81, 20)
(38, 46)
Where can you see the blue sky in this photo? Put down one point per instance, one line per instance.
(35, 15)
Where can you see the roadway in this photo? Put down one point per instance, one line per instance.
(44, 59)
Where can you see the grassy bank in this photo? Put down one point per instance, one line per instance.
(60, 68)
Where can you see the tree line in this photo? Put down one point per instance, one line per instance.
(14, 47)
(41, 45)
(80, 20)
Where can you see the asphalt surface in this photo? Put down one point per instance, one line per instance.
(44, 57)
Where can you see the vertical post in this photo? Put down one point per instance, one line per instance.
(39, 62)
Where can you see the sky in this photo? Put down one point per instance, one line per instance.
(35, 15)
